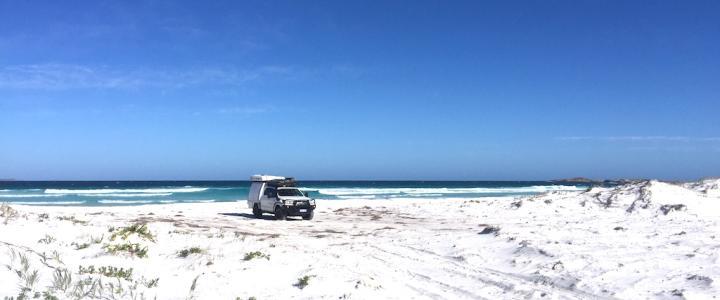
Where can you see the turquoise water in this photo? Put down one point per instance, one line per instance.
(92, 193)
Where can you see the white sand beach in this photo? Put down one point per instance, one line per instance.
(647, 239)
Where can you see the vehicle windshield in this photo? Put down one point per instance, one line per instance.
(290, 192)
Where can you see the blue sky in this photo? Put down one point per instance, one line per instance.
(506, 90)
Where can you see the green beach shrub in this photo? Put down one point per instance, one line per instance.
(7, 213)
(48, 239)
(186, 252)
(141, 230)
(72, 219)
(130, 248)
(303, 281)
(150, 283)
(80, 246)
(107, 271)
(255, 254)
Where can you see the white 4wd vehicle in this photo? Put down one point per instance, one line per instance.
(279, 196)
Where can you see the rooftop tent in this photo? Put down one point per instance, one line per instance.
(265, 178)
(287, 182)
(275, 181)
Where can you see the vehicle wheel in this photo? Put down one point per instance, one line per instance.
(309, 216)
(256, 211)
(280, 213)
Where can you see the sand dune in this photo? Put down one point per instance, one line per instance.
(646, 239)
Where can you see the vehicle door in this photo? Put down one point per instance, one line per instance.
(254, 194)
(267, 201)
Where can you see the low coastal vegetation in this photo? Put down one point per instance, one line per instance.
(27, 275)
(79, 246)
(255, 254)
(84, 245)
(133, 249)
(97, 240)
(48, 239)
(72, 219)
(141, 230)
(7, 213)
(42, 217)
(303, 281)
(186, 252)
(45, 260)
(107, 271)
(90, 282)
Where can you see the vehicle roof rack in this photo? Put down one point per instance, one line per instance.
(286, 182)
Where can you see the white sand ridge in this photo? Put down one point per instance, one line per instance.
(645, 239)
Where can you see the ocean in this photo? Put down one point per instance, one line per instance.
(94, 193)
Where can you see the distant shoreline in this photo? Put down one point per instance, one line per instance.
(568, 180)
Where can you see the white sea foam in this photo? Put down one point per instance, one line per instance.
(199, 201)
(115, 191)
(29, 195)
(442, 191)
(428, 195)
(48, 202)
(358, 197)
(168, 201)
(127, 195)
(106, 201)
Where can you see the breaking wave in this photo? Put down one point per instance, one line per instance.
(48, 202)
(105, 201)
(420, 192)
(135, 191)
(125, 195)
(199, 201)
(28, 195)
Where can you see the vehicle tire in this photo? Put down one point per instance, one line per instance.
(309, 216)
(280, 213)
(256, 211)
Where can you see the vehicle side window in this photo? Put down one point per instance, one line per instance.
(270, 192)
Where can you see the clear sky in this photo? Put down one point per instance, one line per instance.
(509, 90)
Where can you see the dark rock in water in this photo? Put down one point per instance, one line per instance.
(489, 230)
(623, 181)
(667, 208)
(575, 180)
(619, 228)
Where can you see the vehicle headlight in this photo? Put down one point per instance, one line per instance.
(312, 201)
(289, 202)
